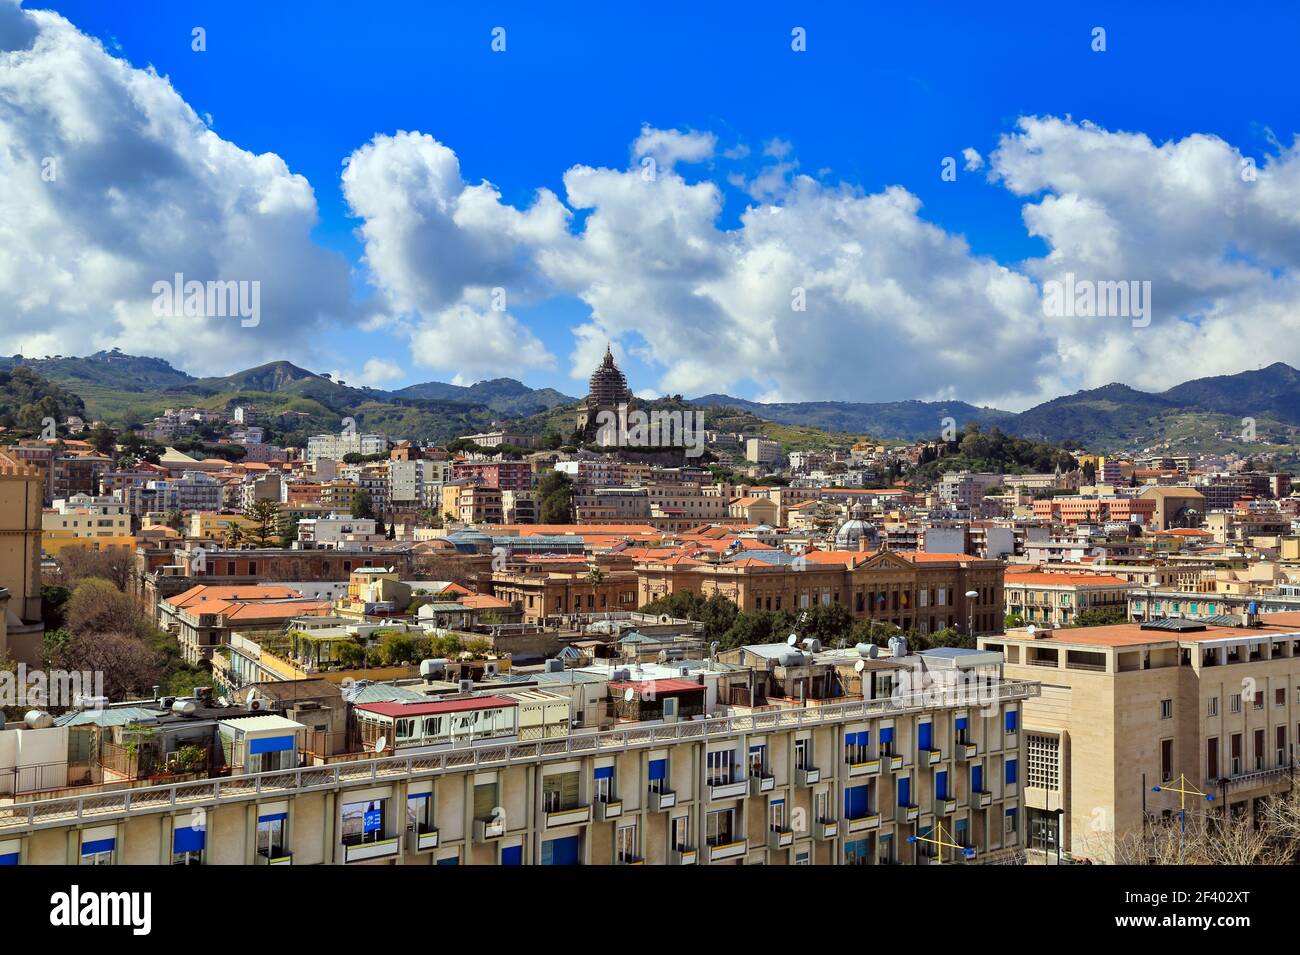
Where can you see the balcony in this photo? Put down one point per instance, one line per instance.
(944, 805)
(826, 829)
(780, 838)
(728, 850)
(807, 777)
(361, 851)
(967, 750)
(682, 857)
(274, 857)
(761, 784)
(631, 860)
(869, 768)
(907, 813)
(607, 809)
(486, 830)
(864, 823)
(662, 800)
(930, 757)
(422, 841)
(568, 817)
(895, 763)
(984, 800)
(730, 790)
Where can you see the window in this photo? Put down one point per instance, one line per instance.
(856, 746)
(1166, 709)
(857, 802)
(602, 784)
(560, 792)
(803, 754)
(627, 846)
(1166, 760)
(857, 852)
(419, 812)
(1212, 707)
(1043, 755)
(720, 764)
(1011, 822)
(270, 835)
(758, 761)
(1236, 703)
(821, 806)
(658, 775)
(1260, 761)
(776, 815)
(1236, 754)
(485, 801)
(680, 835)
(720, 827)
(1280, 740)
(1011, 775)
(1279, 697)
(364, 821)
(188, 843)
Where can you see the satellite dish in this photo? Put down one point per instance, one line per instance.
(859, 666)
(794, 638)
(629, 695)
(1031, 629)
(381, 744)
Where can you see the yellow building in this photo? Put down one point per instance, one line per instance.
(21, 493)
(207, 525)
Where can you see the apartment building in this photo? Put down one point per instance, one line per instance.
(463, 780)
(502, 475)
(1057, 599)
(21, 495)
(1128, 707)
(335, 446)
(1077, 509)
(762, 451)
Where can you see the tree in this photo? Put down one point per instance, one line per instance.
(115, 564)
(234, 534)
(175, 519)
(290, 532)
(362, 506)
(54, 602)
(96, 606)
(264, 515)
(1099, 617)
(103, 439)
(129, 664)
(555, 499)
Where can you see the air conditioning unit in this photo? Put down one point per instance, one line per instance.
(467, 686)
(489, 669)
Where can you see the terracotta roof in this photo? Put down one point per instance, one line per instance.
(1045, 579)
(657, 686)
(437, 706)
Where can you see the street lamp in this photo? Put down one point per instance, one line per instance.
(970, 611)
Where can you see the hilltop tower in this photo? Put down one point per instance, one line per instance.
(608, 390)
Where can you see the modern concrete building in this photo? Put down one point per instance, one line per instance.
(1127, 707)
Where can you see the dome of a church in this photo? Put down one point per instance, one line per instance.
(608, 384)
(857, 533)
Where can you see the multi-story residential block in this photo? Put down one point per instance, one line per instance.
(762, 451)
(1128, 707)
(82, 520)
(929, 743)
(1080, 509)
(502, 475)
(335, 446)
(22, 632)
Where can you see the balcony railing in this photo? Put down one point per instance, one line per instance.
(607, 809)
(488, 754)
(720, 852)
(761, 784)
(662, 799)
(868, 767)
(826, 828)
(572, 816)
(780, 838)
(864, 823)
(808, 776)
(422, 841)
(360, 851)
(275, 857)
(728, 790)
(682, 856)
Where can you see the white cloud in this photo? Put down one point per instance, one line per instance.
(140, 189)
(1219, 250)
(974, 161)
(668, 147)
(377, 373)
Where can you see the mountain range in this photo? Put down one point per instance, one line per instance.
(1206, 412)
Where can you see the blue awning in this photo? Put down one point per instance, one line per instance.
(961, 722)
(97, 846)
(1011, 721)
(188, 839)
(887, 734)
(9, 858)
(658, 769)
(270, 744)
(605, 772)
(274, 817)
(512, 855)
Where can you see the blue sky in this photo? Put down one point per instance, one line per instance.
(882, 95)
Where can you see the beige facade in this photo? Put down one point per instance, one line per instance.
(753, 789)
(21, 498)
(1125, 708)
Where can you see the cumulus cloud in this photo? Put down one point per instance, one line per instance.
(1216, 235)
(974, 161)
(376, 373)
(113, 184)
(668, 147)
(449, 256)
